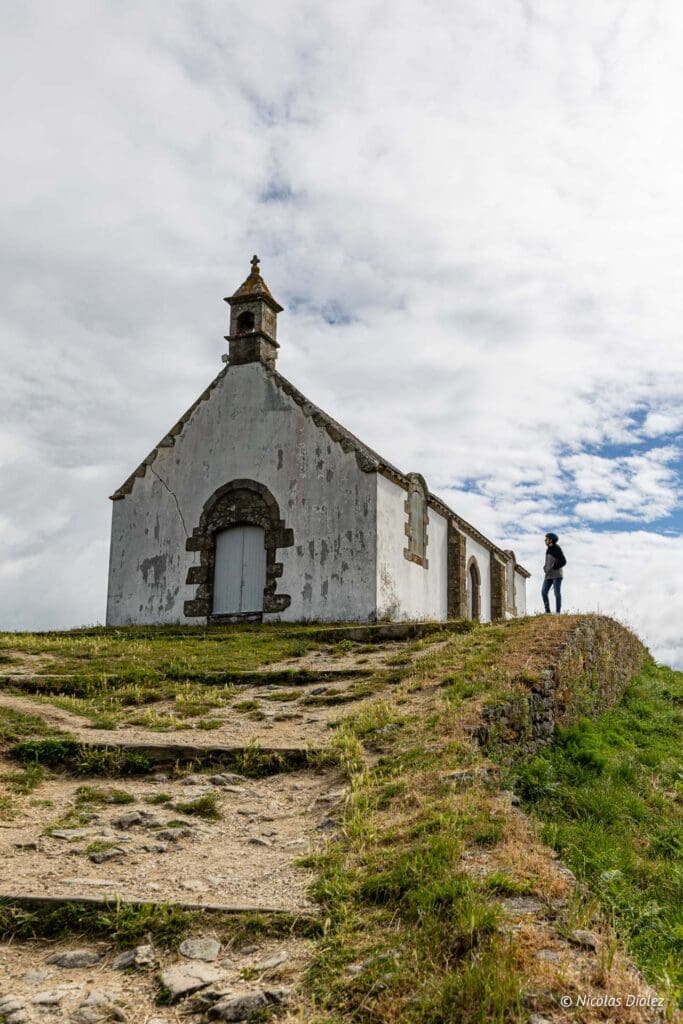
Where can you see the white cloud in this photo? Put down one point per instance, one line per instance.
(484, 202)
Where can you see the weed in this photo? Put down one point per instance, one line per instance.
(159, 798)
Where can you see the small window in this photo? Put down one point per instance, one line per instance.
(418, 518)
(245, 322)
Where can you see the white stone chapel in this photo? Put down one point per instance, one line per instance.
(257, 505)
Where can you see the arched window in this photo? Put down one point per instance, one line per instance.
(473, 590)
(246, 322)
(418, 520)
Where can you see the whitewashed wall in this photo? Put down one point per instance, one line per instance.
(483, 561)
(520, 593)
(406, 590)
(248, 428)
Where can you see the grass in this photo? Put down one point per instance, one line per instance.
(98, 795)
(16, 726)
(206, 806)
(609, 795)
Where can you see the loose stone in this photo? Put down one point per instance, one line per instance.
(75, 958)
(256, 841)
(201, 948)
(140, 956)
(53, 998)
(127, 820)
(97, 1007)
(273, 961)
(100, 856)
(241, 1005)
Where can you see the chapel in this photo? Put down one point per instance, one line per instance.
(258, 506)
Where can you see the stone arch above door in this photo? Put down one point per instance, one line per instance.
(240, 502)
(474, 590)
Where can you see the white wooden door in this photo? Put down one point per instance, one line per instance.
(239, 571)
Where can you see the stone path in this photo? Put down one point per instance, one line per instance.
(134, 839)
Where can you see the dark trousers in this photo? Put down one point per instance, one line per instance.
(549, 585)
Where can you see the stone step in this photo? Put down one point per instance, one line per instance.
(40, 900)
(66, 752)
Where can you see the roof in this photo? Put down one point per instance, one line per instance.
(369, 461)
(254, 287)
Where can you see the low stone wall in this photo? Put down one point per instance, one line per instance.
(592, 670)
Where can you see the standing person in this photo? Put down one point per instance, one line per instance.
(552, 570)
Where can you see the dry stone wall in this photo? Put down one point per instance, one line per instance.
(594, 667)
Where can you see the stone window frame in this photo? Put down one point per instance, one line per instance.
(510, 583)
(473, 571)
(237, 503)
(416, 552)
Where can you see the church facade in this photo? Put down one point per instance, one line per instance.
(259, 506)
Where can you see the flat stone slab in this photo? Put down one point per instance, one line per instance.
(183, 979)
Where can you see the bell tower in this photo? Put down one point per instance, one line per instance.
(253, 322)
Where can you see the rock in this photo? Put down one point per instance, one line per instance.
(158, 777)
(35, 977)
(327, 825)
(173, 835)
(354, 969)
(30, 845)
(548, 954)
(52, 998)
(194, 780)
(268, 832)
(100, 856)
(127, 820)
(183, 979)
(227, 779)
(257, 841)
(158, 1020)
(240, 1005)
(201, 948)
(75, 958)
(155, 847)
(10, 1004)
(98, 1006)
(17, 1017)
(537, 1018)
(586, 939)
(273, 961)
(246, 950)
(69, 833)
(523, 905)
(139, 956)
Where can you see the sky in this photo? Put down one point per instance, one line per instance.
(470, 212)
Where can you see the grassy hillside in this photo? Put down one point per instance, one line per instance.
(609, 795)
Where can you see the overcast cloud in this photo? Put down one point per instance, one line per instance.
(471, 212)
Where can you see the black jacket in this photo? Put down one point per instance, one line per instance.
(554, 562)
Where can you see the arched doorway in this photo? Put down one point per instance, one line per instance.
(239, 577)
(237, 538)
(473, 590)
